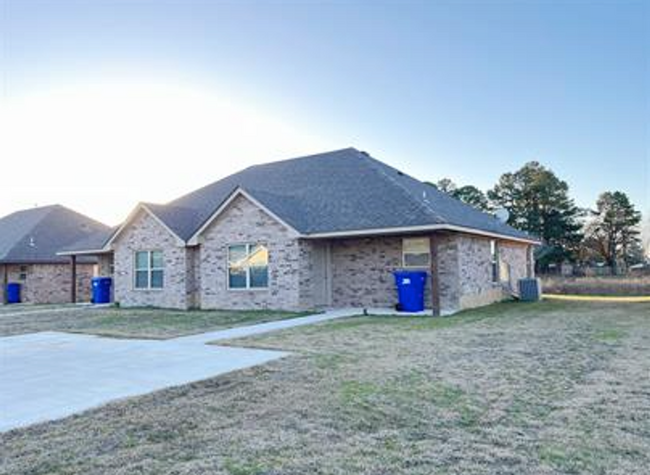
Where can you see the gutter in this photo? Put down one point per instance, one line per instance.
(84, 252)
(419, 229)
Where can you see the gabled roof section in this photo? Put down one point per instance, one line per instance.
(36, 235)
(163, 215)
(237, 193)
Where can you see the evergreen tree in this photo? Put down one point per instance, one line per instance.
(446, 185)
(472, 196)
(614, 232)
(467, 194)
(539, 203)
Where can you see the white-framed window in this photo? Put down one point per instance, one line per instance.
(416, 252)
(494, 260)
(248, 266)
(149, 270)
(23, 273)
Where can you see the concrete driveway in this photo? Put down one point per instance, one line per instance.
(49, 375)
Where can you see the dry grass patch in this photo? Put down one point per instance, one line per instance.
(606, 286)
(546, 388)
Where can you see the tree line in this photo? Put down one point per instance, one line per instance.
(539, 202)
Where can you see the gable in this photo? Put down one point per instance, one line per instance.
(140, 211)
(247, 209)
(145, 231)
(241, 215)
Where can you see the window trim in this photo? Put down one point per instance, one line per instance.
(495, 262)
(23, 270)
(248, 287)
(149, 269)
(424, 266)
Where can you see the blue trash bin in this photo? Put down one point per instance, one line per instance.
(13, 293)
(410, 290)
(101, 289)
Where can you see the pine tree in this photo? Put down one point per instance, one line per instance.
(539, 203)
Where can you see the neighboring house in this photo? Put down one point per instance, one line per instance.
(326, 230)
(29, 241)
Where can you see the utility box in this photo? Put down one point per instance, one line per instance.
(530, 290)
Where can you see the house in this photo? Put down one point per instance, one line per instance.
(325, 230)
(29, 242)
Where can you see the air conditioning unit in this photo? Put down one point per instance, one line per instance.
(530, 290)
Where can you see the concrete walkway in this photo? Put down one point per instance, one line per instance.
(49, 375)
(240, 332)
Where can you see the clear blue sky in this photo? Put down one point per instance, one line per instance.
(465, 90)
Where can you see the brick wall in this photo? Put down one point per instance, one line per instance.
(146, 234)
(243, 222)
(362, 272)
(105, 265)
(315, 274)
(50, 283)
(304, 274)
(193, 277)
(449, 270)
(515, 256)
(475, 263)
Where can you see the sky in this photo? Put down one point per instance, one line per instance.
(108, 103)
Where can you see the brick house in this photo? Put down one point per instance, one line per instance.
(29, 241)
(326, 230)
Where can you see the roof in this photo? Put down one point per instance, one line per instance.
(342, 191)
(36, 235)
(92, 243)
(337, 191)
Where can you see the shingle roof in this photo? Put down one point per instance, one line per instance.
(339, 191)
(36, 235)
(92, 242)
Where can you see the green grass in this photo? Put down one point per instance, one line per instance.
(611, 335)
(138, 322)
(543, 388)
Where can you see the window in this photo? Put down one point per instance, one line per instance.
(494, 260)
(149, 273)
(416, 252)
(23, 273)
(248, 266)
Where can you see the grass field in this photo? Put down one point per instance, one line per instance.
(132, 323)
(545, 388)
(603, 286)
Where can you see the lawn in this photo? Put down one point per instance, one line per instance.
(131, 323)
(27, 307)
(545, 388)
